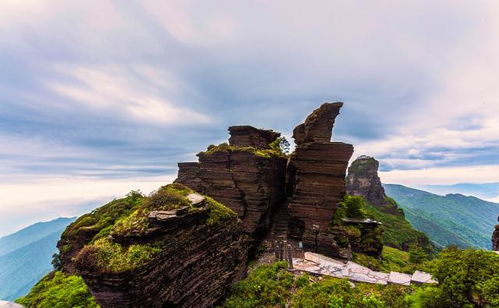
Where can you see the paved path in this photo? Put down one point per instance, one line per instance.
(322, 265)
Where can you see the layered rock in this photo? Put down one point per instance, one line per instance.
(200, 256)
(249, 136)
(363, 180)
(495, 239)
(317, 180)
(248, 181)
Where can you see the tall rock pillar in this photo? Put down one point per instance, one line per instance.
(316, 180)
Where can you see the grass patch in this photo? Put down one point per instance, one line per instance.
(225, 147)
(106, 256)
(101, 219)
(59, 290)
(273, 286)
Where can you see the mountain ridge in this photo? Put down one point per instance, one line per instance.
(467, 220)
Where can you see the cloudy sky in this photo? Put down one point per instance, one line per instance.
(99, 97)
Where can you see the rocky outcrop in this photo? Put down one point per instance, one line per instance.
(249, 136)
(318, 126)
(495, 239)
(197, 263)
(180, 248)
(316, 178)
(249, 181)
(363, 180)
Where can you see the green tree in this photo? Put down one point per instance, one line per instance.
(354, 206)
(417, 255)
(467, 278)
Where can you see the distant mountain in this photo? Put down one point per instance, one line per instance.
(31, 234)
(27, 255)
(480, 190)
(453, 219)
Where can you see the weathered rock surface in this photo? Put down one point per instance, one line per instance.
(249, 136)
(495, 239)
(363, 180)
(198, 261)
(316, 176)
(250, 184)
(318, 125)
(197, 264)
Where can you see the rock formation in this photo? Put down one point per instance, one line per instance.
(197, 263)
(317, 180)
(363, 180)
(495, 239)
(248, 136)
(180, 248)
(249, 181)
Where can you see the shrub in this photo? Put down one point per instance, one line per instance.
(59, 290)
(280, 145)
(106, 256)
(466, 277)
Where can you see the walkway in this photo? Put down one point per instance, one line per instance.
(321, 265)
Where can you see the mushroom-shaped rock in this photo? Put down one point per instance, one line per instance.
(318, 125)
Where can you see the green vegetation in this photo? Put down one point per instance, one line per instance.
(468, 278)
(273, 286)
(106, 256)
(281, 144)
(447, 220)
(391, 259)
(102, 219)
(169, 197)
(59, 290)
(218, 212)
(276, 151)
(351, 207)
(397, 231)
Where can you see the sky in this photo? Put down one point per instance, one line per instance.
(99, 97)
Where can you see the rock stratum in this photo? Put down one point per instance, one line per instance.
(188, 242)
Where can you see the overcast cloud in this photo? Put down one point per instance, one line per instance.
(110, 95)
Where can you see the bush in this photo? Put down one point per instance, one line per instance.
(466, 278)
(106, 256)
(59, 290)
(355, 206)
(280, 145)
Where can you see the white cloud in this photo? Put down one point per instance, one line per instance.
(442, 176)
(28, 200)
(115, 90)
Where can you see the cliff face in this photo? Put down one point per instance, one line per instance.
(246, 176)
(363, 180)
(177, 248)
(197, 263)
